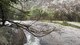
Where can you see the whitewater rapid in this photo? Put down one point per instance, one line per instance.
(31, 40)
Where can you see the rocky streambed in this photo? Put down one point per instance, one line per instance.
(61, 35)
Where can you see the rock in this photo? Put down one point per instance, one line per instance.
(40, 28)
(62, 36)
(11, 36)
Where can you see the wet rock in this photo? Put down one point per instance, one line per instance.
(12, 36)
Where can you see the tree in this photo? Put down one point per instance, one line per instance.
(4, 9)
(7, 9)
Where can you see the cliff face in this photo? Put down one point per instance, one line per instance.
(11, 36)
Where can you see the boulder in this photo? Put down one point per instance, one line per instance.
(12, 36)
(62, 35)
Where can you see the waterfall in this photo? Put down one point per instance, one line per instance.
(31, 40)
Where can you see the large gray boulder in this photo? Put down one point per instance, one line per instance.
(62, 35)
(11, 36)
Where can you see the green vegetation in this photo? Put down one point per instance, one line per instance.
(13, 13)
(38, 13)
(67, 24)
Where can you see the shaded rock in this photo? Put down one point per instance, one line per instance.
(11, 36)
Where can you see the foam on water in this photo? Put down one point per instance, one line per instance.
(31, 40)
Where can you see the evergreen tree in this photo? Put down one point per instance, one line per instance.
(5, 8)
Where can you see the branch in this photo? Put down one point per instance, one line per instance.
(34, 33)
(18, 9)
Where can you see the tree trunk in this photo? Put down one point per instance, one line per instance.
(2, 15)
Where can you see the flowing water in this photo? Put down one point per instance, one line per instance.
(31, 40)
